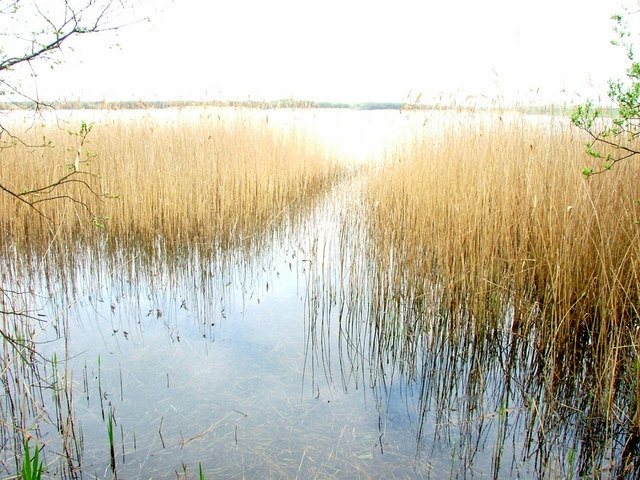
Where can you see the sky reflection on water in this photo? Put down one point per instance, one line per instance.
(241, 369)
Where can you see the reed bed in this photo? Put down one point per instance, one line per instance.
(475, 264)
(486, 227)
(216, 180)
(139, 195)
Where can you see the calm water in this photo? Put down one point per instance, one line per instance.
(249, 365)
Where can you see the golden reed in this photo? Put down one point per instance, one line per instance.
(491, 216)
(210, 180)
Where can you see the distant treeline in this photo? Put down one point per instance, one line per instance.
(154, 104)
(287, 103)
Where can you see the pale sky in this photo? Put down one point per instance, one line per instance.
(350, 51)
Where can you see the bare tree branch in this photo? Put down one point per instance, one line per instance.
(71, 25)
(53, 24)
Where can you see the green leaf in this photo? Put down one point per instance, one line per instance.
(593, 153)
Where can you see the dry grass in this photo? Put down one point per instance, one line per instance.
(166, 187)
(504, 208)
(491, 221)
(214, 181)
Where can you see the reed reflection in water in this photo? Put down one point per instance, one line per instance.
(205, 359)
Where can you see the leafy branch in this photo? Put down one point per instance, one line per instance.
(32, 33)
(614, 139)
(32, 197)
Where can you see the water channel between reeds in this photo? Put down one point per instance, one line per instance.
(298, 354)
(250, 365)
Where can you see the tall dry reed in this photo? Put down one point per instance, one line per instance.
(489, 221)
(214, 180)
(134, 189)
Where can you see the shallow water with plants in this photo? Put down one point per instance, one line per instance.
(254, 307)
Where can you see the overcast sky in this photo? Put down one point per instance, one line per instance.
(350, 51)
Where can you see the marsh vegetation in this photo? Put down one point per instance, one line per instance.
(462, 304)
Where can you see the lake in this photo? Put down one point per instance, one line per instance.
(269, 359)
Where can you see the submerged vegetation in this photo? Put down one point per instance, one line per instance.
(474, 272)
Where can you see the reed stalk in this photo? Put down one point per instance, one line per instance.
(488, 224)
(212, 181)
